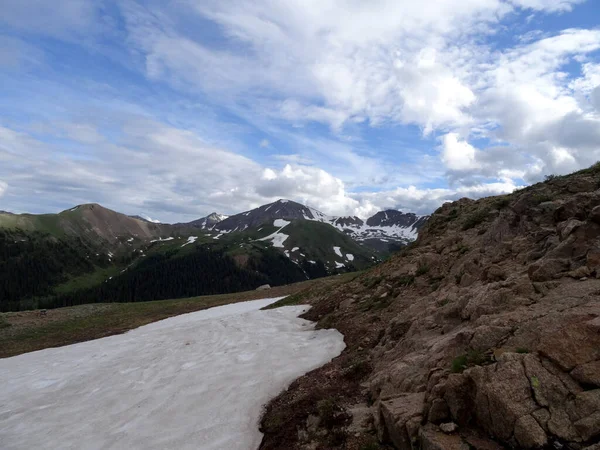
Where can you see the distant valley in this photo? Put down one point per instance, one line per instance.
(90, 254)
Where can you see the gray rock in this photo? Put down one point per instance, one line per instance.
(449, 427)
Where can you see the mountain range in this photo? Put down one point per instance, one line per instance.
(95, 254)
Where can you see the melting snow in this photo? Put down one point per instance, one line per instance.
(350, 257)
(339, 265)
(337, 251)
(193, 381)
(162, 240)
(295, 249)
(277, 238)
(190, 240)
(130, 239)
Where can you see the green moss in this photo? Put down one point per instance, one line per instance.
(472, 358)
(522, 350)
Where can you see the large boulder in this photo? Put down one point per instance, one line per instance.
(572, 346)
(587, 374)
(432, 438)
(401, 417)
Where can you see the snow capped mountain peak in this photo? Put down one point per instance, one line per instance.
(208, 222)
(379, 231)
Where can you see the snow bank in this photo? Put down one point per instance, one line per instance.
(162, 240)
(337, 251)
(191, 240)
(277, 238)
(195, 381)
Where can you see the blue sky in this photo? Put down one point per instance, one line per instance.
(175, 109)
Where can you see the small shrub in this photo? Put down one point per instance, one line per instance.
(550, 177)
(332, 415)
(370, 283)
(422, 269)
(459, 364)
(4, 323)
(475, 219)
(502, 203)
(358, 370)
(472, 358)
(522, 350)
(462, 249)
(535, 382)
(541, 197)
(406, 280)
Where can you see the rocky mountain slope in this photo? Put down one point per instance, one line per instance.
(484, 334)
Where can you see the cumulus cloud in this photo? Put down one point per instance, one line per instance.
(458, 155)
(424, 63)
(490, 116)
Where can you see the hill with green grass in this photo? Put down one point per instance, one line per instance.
(90, 254)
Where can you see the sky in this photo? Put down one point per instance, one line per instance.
(173, 109)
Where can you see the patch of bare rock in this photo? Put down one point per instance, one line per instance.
(485, 334)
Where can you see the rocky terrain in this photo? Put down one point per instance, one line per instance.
(484, 334)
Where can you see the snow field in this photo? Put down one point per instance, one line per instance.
(195, 381)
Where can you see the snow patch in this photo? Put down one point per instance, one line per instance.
(190, 240)
(350, 257)
(339, 265)
(338, 251)
(162, 240)
(277, 238)
(136, 390)
(295, 249)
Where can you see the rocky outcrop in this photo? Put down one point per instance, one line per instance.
(491, 322)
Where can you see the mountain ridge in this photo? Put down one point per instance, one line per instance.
(380, 232)
(483, 334)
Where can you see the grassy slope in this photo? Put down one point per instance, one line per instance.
(28, 331)
(316, 240)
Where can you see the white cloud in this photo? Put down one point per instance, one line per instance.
(548, 5)
(458, 155)
(502, 114)
(3, 187)
(595, 98)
